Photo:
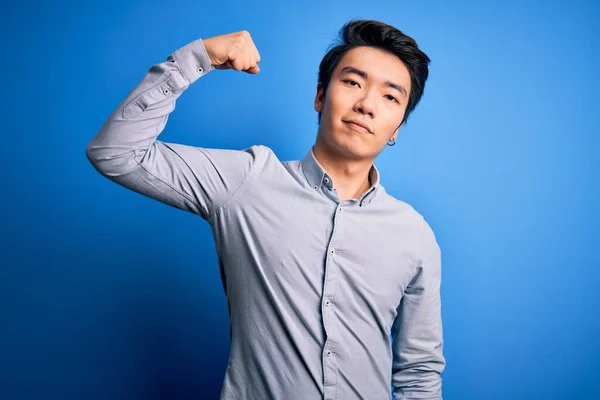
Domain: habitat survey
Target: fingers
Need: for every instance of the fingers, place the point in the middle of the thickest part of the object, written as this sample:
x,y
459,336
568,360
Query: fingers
x,y
246,62
254,51
251,56
244,65
235,51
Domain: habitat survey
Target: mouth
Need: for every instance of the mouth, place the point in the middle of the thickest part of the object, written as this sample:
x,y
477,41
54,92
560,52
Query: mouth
x,y
357,126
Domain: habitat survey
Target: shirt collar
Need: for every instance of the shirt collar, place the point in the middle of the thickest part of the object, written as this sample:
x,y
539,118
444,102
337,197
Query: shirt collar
x,y
316,176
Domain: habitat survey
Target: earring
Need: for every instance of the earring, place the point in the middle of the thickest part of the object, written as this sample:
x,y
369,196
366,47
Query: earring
x,y
393,143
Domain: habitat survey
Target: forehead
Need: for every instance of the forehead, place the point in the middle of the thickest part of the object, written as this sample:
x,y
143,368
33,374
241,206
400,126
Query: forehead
x,y
378,64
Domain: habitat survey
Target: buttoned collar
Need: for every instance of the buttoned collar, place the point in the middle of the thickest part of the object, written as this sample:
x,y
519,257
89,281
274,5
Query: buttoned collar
x,y
317,177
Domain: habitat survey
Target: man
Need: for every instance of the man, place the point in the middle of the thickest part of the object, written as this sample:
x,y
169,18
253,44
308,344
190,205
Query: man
x,y
320,265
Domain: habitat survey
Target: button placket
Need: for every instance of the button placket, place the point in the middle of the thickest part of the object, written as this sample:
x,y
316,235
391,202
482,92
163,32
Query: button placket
x,y
330,321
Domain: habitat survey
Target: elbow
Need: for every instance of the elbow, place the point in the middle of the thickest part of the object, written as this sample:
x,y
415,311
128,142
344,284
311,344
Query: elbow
x,y
110,162
91,154
95,156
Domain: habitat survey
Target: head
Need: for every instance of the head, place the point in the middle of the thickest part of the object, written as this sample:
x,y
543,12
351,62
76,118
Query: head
x,y
368,85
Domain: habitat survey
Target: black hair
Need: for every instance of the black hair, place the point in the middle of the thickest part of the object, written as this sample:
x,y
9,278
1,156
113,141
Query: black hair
x,y
384,37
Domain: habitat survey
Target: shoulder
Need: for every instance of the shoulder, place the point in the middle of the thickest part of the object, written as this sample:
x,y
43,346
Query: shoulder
x,y
407,215
401,209
248,157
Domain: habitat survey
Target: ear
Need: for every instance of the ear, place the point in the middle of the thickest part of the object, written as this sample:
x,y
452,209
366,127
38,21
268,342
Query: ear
x,y
319,98
395,135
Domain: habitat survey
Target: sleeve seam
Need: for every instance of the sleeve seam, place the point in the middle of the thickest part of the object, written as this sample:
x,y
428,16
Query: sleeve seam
x,y
233,195
180,70
418,245
166,182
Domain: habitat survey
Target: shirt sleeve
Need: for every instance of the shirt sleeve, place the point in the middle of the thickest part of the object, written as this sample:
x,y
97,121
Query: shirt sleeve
x,y
126,149
417,339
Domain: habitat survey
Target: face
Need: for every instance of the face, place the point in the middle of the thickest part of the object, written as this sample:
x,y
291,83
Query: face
x,y
365,103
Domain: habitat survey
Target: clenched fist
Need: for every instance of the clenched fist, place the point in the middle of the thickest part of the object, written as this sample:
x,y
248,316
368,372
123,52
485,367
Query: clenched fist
x,y
233,51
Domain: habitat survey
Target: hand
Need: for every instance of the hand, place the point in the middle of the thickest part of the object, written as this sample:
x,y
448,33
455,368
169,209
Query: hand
x,y
233,51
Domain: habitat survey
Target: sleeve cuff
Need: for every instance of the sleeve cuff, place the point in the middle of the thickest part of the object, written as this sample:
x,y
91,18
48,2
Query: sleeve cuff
x,y
193,60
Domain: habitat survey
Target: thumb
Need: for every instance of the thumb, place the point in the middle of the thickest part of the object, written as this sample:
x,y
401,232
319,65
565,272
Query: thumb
x,y
253,70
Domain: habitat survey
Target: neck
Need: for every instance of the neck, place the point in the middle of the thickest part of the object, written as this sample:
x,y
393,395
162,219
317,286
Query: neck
x,y
350,176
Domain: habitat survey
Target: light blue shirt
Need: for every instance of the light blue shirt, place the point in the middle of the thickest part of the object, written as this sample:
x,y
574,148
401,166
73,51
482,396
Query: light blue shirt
x,y
327,299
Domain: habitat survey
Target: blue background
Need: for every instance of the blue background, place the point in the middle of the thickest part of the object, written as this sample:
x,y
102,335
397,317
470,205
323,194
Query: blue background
x,y
105,294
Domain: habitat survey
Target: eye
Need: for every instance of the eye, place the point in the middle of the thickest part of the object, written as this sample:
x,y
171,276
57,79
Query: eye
x,y
351,82
390,97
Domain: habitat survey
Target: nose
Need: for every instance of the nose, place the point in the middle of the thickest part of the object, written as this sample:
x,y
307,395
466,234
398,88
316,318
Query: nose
x,y
365,105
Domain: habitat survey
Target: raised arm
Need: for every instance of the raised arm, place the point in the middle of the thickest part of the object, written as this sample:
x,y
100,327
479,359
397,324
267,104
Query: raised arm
x,y
417,345
194,179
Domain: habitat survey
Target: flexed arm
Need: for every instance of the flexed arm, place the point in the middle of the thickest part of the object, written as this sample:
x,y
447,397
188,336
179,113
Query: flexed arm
x,y
126,149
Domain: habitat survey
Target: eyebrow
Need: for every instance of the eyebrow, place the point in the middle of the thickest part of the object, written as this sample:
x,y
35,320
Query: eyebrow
x,y
352,70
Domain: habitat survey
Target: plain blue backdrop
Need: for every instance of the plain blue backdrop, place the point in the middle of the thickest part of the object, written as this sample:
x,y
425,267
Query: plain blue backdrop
x,y
105,294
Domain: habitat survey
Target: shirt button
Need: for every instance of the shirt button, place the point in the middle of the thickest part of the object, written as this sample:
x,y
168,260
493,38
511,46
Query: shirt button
x,y
340,209
332,251
326,180
329,353
327,302
199,69
315,187
166,91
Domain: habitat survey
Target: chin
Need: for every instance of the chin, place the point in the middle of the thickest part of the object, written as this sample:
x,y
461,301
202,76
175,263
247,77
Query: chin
x,y
348,143
353,148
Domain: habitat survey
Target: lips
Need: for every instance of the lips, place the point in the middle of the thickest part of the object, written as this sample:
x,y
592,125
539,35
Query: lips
x,y
357,126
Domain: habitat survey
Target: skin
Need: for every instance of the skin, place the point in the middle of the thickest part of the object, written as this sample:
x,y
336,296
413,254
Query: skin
x,y
368,85
359,90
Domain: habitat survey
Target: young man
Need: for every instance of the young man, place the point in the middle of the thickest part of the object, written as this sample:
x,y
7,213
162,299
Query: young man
x,y
320,265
